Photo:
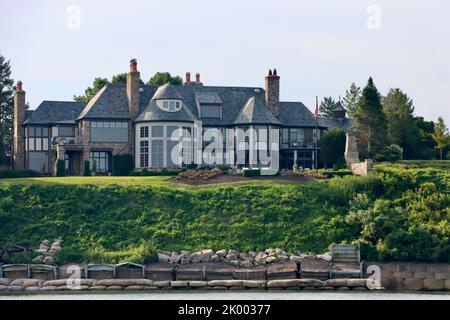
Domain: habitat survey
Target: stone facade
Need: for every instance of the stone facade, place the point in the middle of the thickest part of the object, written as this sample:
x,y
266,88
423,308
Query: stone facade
x,y
273,92
19,130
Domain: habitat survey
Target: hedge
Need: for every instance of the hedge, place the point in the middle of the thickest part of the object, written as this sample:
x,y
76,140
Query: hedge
x,y
251,172
12,174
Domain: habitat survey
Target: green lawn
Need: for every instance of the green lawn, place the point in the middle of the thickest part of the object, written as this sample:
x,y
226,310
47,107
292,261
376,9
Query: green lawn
x,y
154,181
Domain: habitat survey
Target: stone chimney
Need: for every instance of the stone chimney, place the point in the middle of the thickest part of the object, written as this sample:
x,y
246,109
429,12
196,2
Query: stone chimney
x,y
133,86
188,78
273,92
19,130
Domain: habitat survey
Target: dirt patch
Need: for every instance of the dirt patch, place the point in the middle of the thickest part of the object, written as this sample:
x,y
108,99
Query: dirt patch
x,y
237,178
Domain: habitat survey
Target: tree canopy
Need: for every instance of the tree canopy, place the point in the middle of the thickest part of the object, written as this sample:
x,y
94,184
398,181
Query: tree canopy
x,y
332,147
441,136
351,99
327,107
6,109
161,78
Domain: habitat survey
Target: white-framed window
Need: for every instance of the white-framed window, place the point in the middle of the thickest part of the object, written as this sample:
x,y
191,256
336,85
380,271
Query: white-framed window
x,y
169,105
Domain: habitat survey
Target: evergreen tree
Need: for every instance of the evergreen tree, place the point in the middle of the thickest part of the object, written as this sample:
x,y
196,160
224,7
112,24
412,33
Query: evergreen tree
x,y
90,92
441,136
351,99
332,147
6,109
327,107
402,129
427,146
370,124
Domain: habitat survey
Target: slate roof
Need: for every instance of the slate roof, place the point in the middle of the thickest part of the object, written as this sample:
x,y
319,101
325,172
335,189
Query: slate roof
x,y
110,102
295,114
240,105
339,107
53,112
256,112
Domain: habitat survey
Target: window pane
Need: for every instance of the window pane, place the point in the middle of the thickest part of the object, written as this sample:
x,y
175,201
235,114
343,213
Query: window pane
x,y
157,154
66,131
171,130
157,131
211,111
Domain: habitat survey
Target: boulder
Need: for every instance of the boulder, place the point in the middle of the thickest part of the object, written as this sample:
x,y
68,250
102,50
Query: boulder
x,y
38,259
206,255
16,288
283,258
48,288
282,283
162,284
45,243
185,260
225,283
124,282
162,257
260,259
271,259
252,254
215,258
326,256
114,288
175,258
254,283
42,250
234,263
246,257
5,281
232,255
3,287
69,282
27,283
48,260
222,253
268,251
196,257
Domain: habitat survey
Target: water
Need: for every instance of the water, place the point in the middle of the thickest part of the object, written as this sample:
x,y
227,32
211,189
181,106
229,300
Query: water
x,y
189,295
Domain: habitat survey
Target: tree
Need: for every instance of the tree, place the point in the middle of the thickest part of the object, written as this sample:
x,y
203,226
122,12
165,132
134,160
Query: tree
x,y
441,136
332,147
6,109
161,78
119,78
327,107
427,146
393,153
351,99
402,130
370,124
89,93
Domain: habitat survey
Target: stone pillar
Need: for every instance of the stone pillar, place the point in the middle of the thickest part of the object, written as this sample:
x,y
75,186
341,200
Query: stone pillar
x,y
351,149
19,130
273,92
133,95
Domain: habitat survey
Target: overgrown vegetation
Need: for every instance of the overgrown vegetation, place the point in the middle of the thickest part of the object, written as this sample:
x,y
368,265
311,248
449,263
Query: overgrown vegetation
x,y
396,214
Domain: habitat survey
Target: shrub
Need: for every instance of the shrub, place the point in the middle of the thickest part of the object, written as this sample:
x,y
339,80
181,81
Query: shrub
x,y
332,148
251,172
393,153
60,168
337,173
87,168
123,165
13,174
70,254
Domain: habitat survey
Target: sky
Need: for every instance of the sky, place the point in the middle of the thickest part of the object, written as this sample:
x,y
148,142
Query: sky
x,y
318,47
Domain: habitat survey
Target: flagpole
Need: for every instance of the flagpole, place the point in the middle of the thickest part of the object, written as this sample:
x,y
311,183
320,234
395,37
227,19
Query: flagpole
x,y
315,136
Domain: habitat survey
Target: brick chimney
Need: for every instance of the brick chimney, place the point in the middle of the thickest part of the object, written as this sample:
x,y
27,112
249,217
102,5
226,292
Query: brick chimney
x,y
19,130
133,86
189,82
273,92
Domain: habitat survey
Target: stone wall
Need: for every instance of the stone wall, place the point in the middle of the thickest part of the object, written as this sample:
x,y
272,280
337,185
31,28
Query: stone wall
x,y
406,276
361,168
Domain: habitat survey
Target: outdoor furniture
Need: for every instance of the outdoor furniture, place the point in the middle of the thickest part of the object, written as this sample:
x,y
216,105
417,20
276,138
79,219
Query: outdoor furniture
x,y
346,261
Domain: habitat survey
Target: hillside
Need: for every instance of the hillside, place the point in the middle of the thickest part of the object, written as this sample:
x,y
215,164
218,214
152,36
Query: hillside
x,y
396,214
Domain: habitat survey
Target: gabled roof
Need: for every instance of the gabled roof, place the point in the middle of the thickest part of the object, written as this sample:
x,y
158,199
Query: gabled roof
x,y
110,102
256,112
54,112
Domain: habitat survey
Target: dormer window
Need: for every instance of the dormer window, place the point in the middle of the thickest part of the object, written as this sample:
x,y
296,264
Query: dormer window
x,y
169,105
211,111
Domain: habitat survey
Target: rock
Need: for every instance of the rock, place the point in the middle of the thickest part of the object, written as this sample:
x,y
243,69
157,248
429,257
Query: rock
x,y
246,264
124,282
282,283
254,283
336,283
260,259
271,259
5,281
305,283
222,253
48,288
134,288
48,260
42,250
268,251
179,284
16,288
225,283
162,257
62,288
27,283
433,284
295,258
198,284
185,261
216,258
185,253
69,282
232,255
162,284
326,256
234,263
206,255
353,283
175,258
252,254
196,257
45,243
38,259
3,287
283,258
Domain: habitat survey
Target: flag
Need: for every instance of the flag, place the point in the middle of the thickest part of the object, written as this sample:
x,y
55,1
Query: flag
x,y
316,113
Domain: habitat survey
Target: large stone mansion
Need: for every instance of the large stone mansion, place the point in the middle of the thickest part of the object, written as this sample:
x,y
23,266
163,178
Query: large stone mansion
x,y
139,119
